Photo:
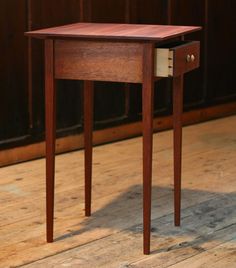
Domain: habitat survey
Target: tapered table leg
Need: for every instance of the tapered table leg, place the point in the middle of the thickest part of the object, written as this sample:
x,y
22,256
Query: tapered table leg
x,y
50,118
177,125
88,143
147,98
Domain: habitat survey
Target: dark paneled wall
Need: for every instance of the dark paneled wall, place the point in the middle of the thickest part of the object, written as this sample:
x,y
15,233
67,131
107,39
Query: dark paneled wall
x,y
21,67
13,71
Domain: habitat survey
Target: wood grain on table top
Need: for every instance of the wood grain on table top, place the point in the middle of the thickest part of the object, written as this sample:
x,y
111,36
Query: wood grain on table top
x,y
114,31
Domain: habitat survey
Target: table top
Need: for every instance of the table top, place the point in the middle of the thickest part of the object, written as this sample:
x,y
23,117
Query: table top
x,y
114,31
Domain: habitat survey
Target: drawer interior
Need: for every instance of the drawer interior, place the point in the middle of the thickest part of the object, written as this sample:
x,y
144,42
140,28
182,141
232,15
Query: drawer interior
x,y
173,44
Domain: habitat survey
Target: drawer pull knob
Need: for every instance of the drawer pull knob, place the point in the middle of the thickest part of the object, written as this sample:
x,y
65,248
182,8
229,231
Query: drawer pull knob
x,y
190,58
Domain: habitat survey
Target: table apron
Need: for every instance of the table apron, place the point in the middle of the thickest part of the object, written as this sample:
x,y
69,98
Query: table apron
x,y
98,60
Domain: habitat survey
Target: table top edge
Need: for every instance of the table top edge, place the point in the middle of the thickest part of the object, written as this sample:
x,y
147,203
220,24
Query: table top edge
x,y
49,33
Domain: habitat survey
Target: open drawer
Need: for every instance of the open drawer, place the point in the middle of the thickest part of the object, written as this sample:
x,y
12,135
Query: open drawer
x,y
177,58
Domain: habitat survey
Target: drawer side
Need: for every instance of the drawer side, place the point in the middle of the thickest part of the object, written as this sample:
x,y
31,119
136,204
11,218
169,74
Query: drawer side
x,y
163,62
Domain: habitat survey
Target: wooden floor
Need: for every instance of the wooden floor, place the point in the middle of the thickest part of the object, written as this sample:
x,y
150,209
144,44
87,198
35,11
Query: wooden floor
x,y
112,236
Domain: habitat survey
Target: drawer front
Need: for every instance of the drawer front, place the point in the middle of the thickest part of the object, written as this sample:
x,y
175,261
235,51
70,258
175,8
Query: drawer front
x,y
177,60
186,58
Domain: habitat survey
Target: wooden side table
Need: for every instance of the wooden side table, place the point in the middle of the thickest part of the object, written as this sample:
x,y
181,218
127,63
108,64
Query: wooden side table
x,y
119,53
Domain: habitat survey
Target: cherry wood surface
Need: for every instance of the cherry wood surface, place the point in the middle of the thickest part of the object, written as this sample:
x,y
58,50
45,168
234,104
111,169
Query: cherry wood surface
x,y
147,109
98,60
50,125
177,125
94,59
88,143
115,31
180,64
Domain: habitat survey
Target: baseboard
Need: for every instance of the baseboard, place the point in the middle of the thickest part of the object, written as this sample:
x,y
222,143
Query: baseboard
x,y
70,143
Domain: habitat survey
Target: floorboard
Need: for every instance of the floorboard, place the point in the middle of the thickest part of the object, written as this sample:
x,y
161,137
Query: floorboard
x,y
112,236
